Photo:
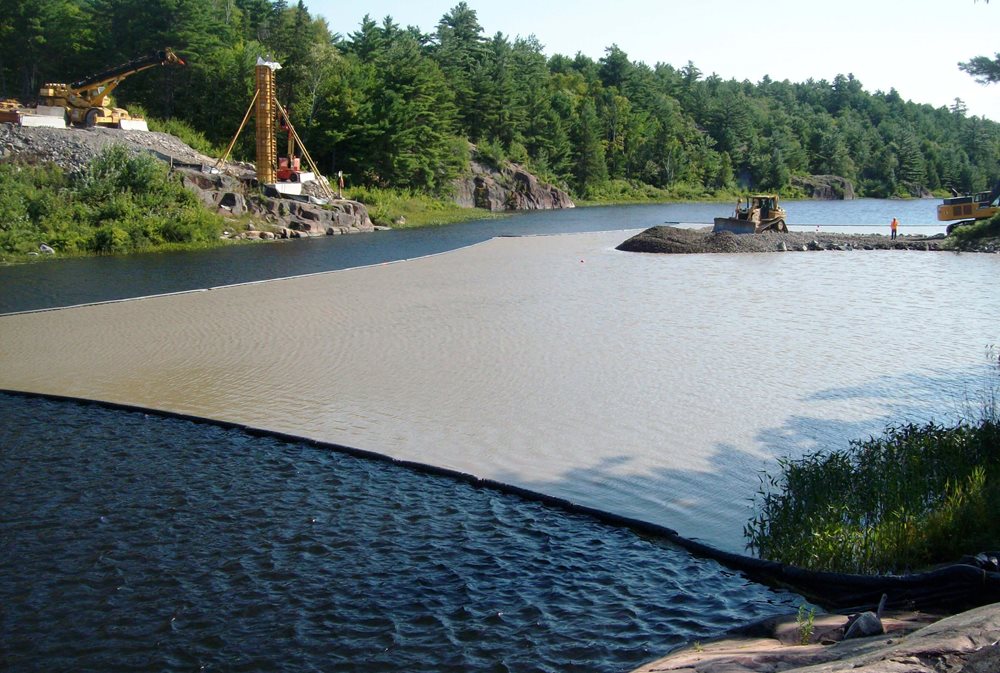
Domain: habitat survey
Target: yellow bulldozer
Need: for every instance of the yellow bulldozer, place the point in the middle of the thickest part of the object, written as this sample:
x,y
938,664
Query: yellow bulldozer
x,y
84,100
757,213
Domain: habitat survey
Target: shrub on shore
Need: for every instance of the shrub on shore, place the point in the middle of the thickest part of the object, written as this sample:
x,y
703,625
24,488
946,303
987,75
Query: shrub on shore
x,y
121,203
971,233
916,496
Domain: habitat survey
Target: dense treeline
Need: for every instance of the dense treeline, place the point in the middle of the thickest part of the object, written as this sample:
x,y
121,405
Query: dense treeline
x,y
393,106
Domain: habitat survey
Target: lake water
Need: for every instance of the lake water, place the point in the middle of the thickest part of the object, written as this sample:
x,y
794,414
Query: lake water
x,y
77,281
651,386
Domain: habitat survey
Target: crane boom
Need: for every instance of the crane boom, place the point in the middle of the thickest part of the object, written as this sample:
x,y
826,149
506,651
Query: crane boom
x,y
96,87
84,99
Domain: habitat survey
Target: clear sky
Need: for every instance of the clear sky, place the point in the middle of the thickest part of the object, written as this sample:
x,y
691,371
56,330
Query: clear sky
x,y
913,46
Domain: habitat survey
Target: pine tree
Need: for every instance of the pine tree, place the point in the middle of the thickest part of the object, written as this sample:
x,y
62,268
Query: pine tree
x,y
408,126
590,170
912,171
461,53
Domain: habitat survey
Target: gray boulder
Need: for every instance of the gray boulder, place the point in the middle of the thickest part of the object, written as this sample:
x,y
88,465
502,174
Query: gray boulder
x,y
826,187
866,624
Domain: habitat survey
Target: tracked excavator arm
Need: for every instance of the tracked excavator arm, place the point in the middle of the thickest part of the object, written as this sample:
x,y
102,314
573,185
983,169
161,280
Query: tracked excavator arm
x,y
969,208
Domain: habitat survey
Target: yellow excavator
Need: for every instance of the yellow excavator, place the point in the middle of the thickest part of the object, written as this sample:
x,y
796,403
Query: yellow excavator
x,y
969,208
84,100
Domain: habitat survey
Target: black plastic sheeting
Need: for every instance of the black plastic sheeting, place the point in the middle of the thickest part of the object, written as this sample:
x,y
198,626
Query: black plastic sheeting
x,y
955,587
961,586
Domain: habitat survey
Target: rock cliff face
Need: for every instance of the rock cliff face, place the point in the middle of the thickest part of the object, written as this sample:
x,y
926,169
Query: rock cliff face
x,y
507,188
829,187
287,217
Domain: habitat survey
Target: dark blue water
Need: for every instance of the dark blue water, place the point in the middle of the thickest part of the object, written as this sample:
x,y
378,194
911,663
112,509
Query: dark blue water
x,y
131,542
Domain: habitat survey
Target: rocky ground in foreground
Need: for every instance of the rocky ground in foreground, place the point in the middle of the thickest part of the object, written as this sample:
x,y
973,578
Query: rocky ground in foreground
x,y
912,643
676,240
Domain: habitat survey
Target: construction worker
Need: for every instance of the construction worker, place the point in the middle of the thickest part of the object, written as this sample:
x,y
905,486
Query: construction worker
x,y
894,225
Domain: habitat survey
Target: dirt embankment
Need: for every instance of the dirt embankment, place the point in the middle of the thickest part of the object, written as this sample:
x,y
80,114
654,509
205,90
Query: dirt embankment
x,y
73,148
667,239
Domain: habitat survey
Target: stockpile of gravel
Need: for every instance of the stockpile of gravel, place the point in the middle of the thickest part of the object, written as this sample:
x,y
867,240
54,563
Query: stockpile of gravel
x,y
666,239
73,148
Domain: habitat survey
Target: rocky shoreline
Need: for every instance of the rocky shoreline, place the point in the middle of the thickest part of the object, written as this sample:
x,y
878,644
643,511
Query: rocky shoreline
x,y
912,642
228,189
505,188
677,240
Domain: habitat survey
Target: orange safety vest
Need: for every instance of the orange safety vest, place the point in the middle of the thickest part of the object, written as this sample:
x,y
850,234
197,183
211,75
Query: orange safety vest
x,y
895,224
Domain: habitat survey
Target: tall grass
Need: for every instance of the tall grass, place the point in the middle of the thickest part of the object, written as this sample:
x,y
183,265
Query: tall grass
x,y
915,496
404,208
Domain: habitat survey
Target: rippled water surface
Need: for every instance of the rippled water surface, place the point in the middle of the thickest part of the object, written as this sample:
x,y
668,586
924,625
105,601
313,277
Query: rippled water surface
x,y
137,543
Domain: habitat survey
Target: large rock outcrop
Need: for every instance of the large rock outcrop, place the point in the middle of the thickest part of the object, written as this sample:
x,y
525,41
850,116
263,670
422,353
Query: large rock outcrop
x,y
828,187
509,187
286,218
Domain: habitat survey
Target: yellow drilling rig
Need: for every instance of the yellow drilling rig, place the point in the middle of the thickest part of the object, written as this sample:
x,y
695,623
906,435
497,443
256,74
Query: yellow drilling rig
x,y
283,174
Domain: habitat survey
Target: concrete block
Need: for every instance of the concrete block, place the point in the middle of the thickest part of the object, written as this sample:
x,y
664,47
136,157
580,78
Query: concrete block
x,y
50,110
133,125
293,188
42,120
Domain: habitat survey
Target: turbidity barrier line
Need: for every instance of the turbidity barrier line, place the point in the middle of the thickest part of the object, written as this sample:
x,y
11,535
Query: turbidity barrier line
x,y
195,290
426,468
955,586
373,265
298,276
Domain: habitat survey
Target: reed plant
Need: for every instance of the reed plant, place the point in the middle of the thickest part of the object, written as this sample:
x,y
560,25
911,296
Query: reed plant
x,y
915,496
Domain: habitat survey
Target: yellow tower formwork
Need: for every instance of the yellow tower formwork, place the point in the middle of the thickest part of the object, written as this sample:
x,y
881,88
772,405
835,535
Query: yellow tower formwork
x,y
267,147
